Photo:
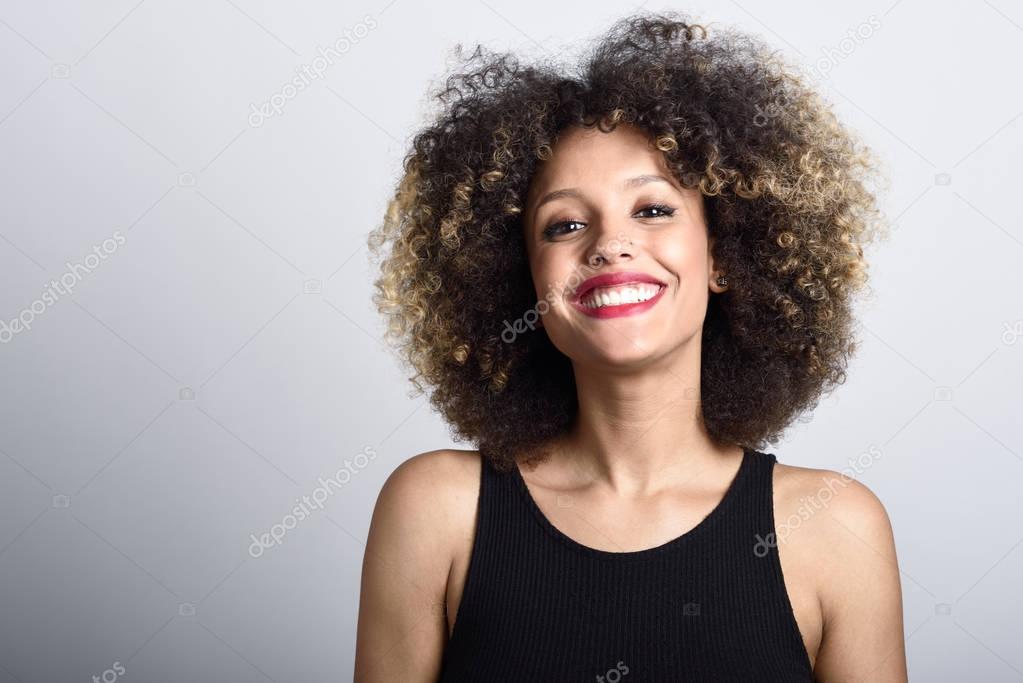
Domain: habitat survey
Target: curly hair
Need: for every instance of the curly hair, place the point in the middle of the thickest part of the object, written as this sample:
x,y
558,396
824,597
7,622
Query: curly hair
x,y
788,204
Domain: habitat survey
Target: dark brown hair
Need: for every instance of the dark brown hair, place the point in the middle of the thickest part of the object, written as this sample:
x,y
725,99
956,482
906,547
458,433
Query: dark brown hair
x,y
785,187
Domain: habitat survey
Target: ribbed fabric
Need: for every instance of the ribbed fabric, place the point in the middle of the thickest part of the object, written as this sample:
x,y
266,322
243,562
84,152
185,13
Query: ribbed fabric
x,y
710,605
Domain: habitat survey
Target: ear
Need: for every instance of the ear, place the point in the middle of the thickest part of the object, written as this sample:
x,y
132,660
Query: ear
x,y
713,271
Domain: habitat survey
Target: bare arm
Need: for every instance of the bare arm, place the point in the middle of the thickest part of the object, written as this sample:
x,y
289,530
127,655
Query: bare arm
x,y
402,627
862,595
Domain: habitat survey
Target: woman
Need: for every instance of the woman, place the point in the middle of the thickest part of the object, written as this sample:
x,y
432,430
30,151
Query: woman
x,y
619,285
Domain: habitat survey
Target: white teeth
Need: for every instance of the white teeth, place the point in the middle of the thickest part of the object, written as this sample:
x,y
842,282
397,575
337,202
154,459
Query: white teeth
x,y
616,296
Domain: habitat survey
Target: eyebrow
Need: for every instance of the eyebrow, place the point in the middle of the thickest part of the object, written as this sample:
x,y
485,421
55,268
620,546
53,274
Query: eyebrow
x,y
574,191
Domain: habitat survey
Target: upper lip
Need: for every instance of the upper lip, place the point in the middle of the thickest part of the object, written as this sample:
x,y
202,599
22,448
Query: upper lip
x,y
611,279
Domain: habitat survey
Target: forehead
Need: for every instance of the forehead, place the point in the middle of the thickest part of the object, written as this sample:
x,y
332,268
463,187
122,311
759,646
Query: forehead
x,y
591,157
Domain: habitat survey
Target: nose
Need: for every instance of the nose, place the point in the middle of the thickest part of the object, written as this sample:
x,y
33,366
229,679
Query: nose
x,y
611,249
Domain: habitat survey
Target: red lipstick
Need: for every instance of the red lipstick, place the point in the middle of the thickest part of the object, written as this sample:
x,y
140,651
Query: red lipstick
x,y
617,279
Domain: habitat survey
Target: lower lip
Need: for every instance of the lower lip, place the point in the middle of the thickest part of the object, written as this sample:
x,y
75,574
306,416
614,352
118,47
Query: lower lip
x,y
621,309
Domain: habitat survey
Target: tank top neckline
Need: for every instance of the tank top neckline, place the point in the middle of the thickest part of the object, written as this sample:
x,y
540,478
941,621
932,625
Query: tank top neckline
x,y
722,507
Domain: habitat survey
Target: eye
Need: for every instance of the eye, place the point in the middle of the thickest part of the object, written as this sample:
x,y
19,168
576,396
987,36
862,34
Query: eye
x,y
665,210
557,229
562,227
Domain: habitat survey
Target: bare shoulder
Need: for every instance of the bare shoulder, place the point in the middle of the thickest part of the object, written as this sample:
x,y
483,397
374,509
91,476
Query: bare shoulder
x,y
837,525
833,505
434,494
437,468
413,540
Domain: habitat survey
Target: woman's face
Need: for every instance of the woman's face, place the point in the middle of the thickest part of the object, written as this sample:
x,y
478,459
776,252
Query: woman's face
x,y
605,204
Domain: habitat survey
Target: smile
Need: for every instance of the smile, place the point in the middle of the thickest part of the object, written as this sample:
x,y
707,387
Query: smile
x,y
612,295
599,297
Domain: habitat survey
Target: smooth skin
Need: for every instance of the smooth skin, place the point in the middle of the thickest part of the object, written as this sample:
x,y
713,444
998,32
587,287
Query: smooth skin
x,y
638,466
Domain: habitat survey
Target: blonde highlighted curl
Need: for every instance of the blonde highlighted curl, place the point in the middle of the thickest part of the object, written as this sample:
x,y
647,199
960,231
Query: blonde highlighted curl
x,y
788,203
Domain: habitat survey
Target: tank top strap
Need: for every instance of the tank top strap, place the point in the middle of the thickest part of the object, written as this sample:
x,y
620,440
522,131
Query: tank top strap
x,y
763,560
499,502
505,521
758,502
501,536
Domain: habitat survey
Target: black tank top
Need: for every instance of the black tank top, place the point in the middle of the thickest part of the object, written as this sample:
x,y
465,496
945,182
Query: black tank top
x,y
710,605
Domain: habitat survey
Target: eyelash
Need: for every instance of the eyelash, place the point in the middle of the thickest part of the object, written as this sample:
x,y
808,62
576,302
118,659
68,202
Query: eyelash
x,y
667,212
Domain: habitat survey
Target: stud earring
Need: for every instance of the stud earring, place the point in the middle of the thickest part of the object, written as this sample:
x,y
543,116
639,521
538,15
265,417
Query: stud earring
x,y
722,281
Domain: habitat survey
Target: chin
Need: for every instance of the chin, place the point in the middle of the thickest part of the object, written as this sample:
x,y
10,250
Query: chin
x,y
623,354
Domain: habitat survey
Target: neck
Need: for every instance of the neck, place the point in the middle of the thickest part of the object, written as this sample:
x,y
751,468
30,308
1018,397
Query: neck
x,y
642,430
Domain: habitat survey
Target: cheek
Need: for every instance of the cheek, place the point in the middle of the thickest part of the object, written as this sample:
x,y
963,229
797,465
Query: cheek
x,y
551,279
550,276
684,254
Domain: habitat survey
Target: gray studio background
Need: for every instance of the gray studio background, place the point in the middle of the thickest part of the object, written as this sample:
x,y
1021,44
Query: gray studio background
x,y
219,352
